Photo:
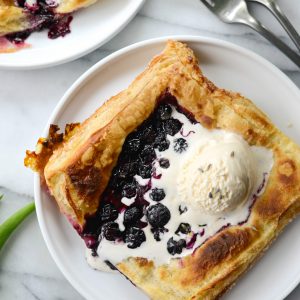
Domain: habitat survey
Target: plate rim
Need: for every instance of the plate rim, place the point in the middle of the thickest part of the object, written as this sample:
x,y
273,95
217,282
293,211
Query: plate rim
x,y
35,66
67,98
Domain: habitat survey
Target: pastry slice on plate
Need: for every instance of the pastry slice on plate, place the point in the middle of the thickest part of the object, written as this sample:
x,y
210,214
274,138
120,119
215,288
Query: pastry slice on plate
x,y
19,18
174,182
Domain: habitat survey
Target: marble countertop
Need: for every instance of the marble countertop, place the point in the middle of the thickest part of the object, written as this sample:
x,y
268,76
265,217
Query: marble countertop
x,y
28,97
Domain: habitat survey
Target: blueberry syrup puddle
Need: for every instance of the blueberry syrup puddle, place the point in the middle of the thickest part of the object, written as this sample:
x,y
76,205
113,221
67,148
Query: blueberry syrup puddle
x,y
42,17
138,209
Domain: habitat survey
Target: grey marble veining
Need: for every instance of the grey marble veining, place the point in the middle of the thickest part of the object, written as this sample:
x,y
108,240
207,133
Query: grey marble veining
x,y
28,97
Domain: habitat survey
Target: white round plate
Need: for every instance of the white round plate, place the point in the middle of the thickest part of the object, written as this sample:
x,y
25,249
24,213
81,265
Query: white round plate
x,y
229,66
91,27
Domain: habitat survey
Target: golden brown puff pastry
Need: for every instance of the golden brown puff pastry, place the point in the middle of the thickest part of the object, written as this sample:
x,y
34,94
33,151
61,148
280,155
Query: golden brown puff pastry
x,y
15,18
77,166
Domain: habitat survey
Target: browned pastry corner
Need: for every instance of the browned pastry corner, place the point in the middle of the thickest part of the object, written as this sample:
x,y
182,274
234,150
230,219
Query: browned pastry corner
x,y
80,166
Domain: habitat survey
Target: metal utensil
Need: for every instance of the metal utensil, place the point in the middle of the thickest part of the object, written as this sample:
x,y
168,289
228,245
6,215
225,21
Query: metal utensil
x,y
236,11
286,24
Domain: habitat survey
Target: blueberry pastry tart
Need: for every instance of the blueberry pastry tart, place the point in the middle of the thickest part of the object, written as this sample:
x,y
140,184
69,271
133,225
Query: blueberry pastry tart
x,y
176,183
19,18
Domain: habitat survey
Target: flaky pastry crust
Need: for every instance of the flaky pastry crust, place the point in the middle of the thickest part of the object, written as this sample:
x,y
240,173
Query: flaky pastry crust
x,y
77,171
12,19
68,6
15,19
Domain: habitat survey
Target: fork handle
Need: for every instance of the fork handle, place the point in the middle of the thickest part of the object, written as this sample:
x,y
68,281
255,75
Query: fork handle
x,y
256,25
284,21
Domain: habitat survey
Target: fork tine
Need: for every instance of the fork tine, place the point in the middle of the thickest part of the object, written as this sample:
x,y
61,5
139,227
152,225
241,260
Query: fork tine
x,y
207,3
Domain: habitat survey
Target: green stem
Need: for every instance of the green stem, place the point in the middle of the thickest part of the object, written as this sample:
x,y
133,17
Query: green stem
x,y
8,226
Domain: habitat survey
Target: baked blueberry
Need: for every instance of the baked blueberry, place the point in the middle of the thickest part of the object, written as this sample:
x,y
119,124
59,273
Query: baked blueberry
x,y
129,190
108,213
147,135
184,228
111,231
133,145
164,111
132,215
164,163
180,145
134,237
172,126
126,170
60,28
145,171
161,142
157,194
148,154
175,247
158,215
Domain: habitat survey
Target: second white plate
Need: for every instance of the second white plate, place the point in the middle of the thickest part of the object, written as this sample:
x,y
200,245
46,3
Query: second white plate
x,y
229,66
90,28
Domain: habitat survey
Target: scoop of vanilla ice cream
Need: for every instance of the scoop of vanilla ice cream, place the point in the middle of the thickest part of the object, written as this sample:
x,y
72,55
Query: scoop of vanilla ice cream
x,y
217,176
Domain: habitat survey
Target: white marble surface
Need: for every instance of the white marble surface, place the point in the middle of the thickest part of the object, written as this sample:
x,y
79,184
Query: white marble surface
x,y
28,97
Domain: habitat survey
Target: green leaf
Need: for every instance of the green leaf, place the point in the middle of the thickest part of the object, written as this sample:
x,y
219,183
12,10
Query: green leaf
x,y
1,196
8,226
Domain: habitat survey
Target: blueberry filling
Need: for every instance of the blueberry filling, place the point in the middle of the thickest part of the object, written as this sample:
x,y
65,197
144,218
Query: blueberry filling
x,y
145,171
137,158
132,215
164,111
126,170
175,247
129,190
148,154
133,145
184,228
157,194
111,231
192,241
164,163
43,16
60,27
108,213
161,143
158,215
172,126
147,134
134,237
18,38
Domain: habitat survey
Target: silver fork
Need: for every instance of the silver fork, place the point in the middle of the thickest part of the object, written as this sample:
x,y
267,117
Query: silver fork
x,y
284,21
236,11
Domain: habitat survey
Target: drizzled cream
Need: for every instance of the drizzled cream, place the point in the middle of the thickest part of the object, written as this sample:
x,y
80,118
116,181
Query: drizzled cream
x,y
207,204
